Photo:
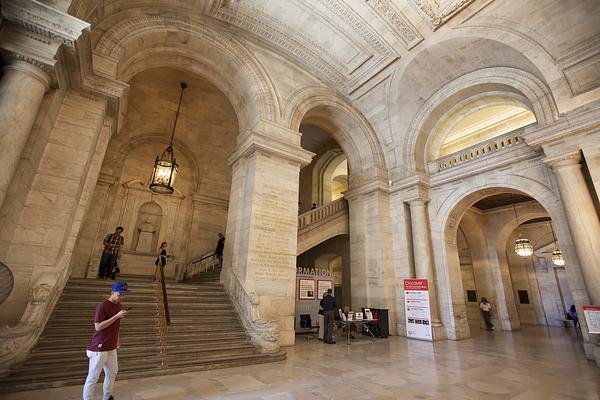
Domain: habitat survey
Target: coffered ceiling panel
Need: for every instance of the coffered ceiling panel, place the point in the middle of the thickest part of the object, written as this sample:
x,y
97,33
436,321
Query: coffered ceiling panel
x,y
329,37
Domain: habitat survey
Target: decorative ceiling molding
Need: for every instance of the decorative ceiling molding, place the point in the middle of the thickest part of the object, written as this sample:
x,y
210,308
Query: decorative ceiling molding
x,y
43,20
438,14
360,52
408,34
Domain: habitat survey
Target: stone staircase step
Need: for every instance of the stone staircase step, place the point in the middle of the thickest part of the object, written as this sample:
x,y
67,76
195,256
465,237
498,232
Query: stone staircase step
x,y
67,379
205,333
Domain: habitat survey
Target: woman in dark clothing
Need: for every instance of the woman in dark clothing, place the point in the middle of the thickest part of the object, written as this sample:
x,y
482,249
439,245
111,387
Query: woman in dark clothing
x,y
219,249
161,259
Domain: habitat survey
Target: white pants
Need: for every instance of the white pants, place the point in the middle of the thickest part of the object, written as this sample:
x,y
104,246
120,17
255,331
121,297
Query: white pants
x,y
100,360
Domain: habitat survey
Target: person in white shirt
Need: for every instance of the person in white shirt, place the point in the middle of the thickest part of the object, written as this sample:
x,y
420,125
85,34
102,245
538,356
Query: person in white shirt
x,y
486,309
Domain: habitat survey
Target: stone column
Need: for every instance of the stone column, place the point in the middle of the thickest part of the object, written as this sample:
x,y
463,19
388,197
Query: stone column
x,y
423,253
22,88
259,265
581,216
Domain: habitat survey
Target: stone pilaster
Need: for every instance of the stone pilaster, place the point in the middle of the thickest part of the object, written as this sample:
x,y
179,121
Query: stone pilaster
x,y
373,278
581,216
260,250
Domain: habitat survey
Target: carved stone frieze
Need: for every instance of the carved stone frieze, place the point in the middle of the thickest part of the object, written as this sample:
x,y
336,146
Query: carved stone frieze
x,y
407,33
436,13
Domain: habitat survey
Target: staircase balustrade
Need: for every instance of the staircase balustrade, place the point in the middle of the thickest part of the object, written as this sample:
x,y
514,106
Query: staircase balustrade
x,y
322,213
477,151
263,333
196,266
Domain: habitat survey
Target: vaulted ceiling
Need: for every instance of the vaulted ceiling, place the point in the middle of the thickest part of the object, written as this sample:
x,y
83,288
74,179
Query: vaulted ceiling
x,y
343,42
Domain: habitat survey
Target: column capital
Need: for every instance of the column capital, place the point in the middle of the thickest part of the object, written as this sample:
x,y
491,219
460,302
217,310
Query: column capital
x,y
271,139
572,158
30,69
33,32
417,201
43,20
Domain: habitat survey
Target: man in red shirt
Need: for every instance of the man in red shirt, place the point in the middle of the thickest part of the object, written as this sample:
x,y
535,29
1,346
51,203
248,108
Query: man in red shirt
x,y
102,350
113,244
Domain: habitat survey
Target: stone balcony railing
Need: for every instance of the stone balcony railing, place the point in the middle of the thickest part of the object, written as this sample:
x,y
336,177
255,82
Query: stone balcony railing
x,y
322,213
478,151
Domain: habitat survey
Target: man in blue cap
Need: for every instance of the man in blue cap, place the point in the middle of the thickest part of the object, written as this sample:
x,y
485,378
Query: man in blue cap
x,y
102,350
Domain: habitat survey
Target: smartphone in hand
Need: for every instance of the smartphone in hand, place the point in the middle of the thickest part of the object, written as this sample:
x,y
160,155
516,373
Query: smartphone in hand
x,y
128,308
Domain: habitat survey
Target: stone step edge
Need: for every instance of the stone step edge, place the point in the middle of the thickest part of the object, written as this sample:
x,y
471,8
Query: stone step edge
x,y
257,359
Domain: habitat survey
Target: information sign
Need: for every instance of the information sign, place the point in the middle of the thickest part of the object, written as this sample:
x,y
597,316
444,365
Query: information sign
x,y
592,318
416,305
322,287
306,289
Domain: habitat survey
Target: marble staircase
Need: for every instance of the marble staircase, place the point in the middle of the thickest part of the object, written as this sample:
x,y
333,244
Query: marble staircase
x,y
205,333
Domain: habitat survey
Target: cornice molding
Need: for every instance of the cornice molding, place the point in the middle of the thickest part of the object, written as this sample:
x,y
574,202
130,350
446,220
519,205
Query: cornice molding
x,y
43,20
572,158
34,32
264,139
567,126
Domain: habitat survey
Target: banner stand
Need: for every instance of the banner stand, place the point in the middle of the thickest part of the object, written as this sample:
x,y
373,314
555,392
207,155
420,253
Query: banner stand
x,y
417,310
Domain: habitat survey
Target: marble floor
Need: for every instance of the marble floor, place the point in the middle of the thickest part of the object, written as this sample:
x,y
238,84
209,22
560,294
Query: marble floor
x,y
534,363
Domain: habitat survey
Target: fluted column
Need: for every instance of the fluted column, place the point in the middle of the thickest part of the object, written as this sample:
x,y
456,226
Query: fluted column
x,y
423,252
22,88
581,216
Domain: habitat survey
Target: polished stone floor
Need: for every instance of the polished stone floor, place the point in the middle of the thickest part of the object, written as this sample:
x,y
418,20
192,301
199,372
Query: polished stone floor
x,y
534,363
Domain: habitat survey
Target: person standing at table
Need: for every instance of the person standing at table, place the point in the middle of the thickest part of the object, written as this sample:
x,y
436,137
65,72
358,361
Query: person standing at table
x,y
329,307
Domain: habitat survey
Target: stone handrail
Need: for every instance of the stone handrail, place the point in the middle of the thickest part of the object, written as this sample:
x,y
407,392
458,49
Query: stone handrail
x,y
321,213
477,151
263,333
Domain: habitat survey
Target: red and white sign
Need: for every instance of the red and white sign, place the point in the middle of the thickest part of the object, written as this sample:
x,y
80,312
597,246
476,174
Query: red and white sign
x,y
418,313
592,318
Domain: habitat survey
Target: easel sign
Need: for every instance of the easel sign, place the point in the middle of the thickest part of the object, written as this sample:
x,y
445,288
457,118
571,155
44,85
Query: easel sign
x,y
306,289
592,318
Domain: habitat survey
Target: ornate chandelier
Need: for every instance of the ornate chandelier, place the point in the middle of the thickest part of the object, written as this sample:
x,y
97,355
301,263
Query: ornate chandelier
x,y
522,246
557,258
165,166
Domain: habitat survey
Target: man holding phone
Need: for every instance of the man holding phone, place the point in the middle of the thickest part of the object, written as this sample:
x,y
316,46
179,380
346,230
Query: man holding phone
x,y
102,350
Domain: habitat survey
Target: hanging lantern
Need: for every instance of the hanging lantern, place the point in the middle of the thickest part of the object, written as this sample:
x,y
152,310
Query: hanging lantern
x,y
523,247
165,171
165,166
557,258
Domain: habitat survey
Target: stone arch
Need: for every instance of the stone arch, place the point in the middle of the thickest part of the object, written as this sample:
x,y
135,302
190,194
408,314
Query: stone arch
x,y
510,81
322,174
321,107
442,126
132,43
446,217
